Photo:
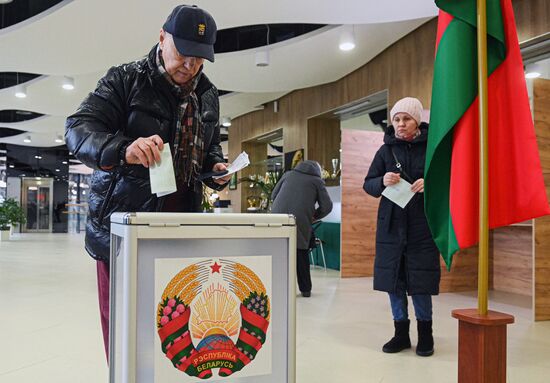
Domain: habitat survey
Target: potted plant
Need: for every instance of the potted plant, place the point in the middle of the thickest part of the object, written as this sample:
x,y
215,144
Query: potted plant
x,y
11,214
4,223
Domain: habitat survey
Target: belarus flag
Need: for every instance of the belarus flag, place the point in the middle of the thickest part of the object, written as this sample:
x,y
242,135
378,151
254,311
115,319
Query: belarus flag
x,y
516,184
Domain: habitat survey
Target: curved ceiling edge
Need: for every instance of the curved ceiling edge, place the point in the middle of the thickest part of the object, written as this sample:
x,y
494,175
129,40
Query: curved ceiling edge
x,y
283,43
34,18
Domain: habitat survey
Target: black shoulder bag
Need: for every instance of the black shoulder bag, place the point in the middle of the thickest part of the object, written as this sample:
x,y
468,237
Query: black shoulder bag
x,y
400,167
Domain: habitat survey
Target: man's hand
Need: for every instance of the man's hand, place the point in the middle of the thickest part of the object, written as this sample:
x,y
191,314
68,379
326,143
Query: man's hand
x,y
391,178
418,186
144,151
219,167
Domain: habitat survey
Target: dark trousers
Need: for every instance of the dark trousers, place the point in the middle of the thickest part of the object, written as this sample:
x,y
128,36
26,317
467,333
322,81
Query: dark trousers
x,y
103,295
302,269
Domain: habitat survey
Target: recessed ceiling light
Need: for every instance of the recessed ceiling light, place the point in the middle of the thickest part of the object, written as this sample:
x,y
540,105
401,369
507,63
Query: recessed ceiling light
x,y
533,70
68,83
12,166
64,162
532,74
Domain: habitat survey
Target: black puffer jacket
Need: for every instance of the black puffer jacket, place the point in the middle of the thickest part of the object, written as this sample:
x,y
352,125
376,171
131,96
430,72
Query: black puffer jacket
x,y
406,256
131,101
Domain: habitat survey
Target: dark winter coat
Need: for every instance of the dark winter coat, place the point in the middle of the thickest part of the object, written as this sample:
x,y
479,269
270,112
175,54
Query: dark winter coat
x,y
407,258
131,101
296,193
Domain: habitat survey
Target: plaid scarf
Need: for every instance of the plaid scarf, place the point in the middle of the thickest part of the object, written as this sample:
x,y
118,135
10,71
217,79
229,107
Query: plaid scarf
x,y
188,148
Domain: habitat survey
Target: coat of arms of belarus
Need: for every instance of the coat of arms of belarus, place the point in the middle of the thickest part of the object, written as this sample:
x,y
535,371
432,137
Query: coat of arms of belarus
x,y
213,315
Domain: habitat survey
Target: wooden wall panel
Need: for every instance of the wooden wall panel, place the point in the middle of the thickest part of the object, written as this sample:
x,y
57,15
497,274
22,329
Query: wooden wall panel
x,y
532,18
541,298
359,210
541,105
463,274
513,259
323,143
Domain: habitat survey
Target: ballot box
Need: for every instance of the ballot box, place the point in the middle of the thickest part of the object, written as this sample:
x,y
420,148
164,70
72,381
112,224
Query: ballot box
x,y
202,298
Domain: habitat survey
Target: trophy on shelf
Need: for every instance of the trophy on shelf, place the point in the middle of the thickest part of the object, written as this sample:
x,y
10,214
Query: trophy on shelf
x,y
252,203
335,168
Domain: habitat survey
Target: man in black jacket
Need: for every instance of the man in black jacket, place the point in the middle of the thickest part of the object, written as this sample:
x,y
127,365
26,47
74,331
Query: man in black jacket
x,y
136,109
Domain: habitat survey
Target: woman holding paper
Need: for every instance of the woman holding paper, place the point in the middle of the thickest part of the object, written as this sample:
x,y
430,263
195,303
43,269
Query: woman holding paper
x,y
407,260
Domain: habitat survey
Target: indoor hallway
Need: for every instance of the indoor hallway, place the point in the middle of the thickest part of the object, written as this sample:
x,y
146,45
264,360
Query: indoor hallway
x,y
50,332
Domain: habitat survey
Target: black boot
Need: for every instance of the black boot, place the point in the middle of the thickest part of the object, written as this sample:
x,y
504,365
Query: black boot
x,y
401,339
425,345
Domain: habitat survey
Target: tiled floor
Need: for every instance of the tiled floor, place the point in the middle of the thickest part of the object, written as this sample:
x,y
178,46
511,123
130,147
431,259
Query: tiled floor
x,y
49,325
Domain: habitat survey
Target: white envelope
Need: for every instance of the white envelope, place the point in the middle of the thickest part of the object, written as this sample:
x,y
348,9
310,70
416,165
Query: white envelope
x,y
161,175
240,163
399,193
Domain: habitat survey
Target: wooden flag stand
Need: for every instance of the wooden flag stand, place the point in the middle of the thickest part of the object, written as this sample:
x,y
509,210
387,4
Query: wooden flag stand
x,y
482,333
481,346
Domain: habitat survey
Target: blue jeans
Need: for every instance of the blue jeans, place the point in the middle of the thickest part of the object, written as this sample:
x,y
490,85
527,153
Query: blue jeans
x,y
422,306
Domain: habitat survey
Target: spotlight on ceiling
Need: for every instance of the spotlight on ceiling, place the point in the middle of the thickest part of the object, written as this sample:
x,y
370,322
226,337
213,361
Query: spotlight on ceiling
x,y
59,139
68,83
20,91
27,139
12,166
347,38
226,121
262,58
533,70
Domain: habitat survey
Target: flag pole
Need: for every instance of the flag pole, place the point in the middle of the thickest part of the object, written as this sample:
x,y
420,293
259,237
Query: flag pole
x,y
483,262
482,334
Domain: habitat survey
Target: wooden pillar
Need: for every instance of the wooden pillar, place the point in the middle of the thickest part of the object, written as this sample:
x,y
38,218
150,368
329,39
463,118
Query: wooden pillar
x,y
481,346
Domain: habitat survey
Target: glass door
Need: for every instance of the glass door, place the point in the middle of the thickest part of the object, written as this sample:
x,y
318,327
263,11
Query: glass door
x,y
37,200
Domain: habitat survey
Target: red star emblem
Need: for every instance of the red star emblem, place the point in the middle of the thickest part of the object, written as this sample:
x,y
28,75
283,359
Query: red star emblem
x,y
215,267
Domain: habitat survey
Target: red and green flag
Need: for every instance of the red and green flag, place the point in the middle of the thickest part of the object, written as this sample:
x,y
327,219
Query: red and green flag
x,y
516,184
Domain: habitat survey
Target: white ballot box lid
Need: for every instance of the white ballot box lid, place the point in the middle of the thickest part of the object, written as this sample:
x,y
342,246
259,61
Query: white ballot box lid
x,y
207,219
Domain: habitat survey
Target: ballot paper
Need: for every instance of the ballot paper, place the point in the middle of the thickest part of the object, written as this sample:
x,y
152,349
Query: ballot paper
x,y
399,193
240,162
162,176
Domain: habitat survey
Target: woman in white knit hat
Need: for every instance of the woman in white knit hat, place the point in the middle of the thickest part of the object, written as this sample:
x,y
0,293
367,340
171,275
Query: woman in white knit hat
x,y
407,259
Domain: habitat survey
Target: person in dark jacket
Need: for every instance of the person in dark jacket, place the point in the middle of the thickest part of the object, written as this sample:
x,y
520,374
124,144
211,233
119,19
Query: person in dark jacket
x,y
297,192
407,259
136,109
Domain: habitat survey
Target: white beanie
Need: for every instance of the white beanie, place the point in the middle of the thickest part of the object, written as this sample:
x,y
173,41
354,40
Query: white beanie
x,y
410,105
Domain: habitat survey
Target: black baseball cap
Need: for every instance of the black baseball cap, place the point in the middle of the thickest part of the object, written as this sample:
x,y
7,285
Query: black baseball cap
x,y
193,30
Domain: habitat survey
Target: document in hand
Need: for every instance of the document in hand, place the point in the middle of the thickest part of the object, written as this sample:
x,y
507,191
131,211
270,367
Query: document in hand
x,y
161,175
240,163
400,193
